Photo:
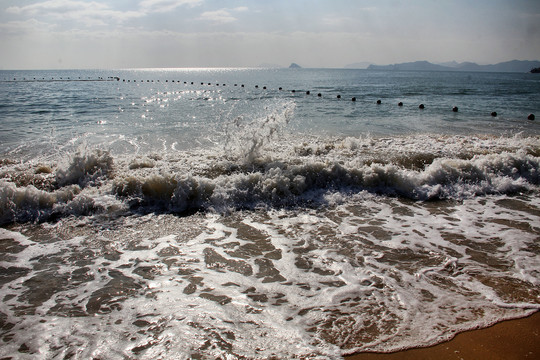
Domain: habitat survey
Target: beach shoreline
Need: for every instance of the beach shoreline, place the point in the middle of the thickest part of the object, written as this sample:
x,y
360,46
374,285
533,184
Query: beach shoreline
x,y
510,339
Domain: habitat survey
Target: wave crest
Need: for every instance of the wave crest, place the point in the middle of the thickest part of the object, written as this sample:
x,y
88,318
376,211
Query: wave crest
x,y
187,182
85,168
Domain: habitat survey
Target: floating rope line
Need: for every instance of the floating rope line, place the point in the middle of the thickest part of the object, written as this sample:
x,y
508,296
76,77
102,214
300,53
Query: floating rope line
x,y
123,80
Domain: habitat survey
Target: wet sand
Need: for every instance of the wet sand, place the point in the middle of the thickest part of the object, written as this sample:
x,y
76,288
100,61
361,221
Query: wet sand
x,y
513,339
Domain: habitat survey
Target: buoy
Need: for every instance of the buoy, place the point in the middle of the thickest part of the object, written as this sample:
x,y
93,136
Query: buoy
x,y
400,104
339,96
307,92
493,114
293,91
421,106
455,109
353,99
280,88
264,87
379,102
256,86
242,85
530,117
319,94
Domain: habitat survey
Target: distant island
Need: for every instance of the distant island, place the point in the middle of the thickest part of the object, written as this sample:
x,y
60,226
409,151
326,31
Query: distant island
x,y
536,70
508,66
294,66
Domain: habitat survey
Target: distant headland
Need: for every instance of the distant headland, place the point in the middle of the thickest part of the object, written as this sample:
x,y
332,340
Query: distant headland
x,y
520,66
508,66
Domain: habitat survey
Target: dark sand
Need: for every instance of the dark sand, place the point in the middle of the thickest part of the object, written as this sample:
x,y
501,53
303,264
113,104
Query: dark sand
x,y
513,339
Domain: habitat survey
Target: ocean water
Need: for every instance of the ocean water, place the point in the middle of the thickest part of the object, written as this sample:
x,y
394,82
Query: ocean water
x,y
205,213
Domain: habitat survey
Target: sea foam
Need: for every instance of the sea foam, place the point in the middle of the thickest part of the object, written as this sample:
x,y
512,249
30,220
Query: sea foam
x,y
276,175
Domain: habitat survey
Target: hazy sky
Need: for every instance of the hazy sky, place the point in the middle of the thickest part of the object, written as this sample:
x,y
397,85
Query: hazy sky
x,y
47,34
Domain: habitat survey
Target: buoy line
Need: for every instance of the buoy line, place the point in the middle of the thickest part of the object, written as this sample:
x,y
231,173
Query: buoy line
x,y
147,81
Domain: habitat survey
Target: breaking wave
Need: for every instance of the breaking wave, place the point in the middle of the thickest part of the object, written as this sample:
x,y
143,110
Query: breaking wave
x,y
301,174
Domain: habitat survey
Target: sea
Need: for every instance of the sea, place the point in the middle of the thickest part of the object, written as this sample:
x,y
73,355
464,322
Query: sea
x,y
263,213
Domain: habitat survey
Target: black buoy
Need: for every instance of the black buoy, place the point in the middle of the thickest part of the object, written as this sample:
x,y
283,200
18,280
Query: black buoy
x,y
307,92
400,104
379,102
264,87
455,109
421,106
319,94
242,85
353,99
256,86
530,117
493,113
280,88
339,96
293,91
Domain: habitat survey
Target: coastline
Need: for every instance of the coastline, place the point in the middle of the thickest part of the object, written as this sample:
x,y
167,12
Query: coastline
x,y
510,339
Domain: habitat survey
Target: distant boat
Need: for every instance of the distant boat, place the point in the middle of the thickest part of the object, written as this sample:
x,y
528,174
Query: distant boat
x,y
535,71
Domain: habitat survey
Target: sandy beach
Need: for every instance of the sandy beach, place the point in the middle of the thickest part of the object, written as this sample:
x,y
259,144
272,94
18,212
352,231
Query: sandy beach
x,y
513,339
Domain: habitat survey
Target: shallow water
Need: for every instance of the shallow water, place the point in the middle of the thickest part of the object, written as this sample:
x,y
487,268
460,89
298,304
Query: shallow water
x,y
230,223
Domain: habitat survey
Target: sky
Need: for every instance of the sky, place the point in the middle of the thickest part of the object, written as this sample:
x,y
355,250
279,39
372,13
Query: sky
x,y
98,34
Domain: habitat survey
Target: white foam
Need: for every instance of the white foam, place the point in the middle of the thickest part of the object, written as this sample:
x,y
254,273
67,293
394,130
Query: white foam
x,y
297,252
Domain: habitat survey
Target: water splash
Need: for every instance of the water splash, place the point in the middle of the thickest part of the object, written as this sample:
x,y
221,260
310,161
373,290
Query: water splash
x,y
246,136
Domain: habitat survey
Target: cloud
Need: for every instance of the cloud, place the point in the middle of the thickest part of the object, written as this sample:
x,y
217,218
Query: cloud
x,y
25,27
56,7
89,13
95,13
222,16
166,5
218,17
